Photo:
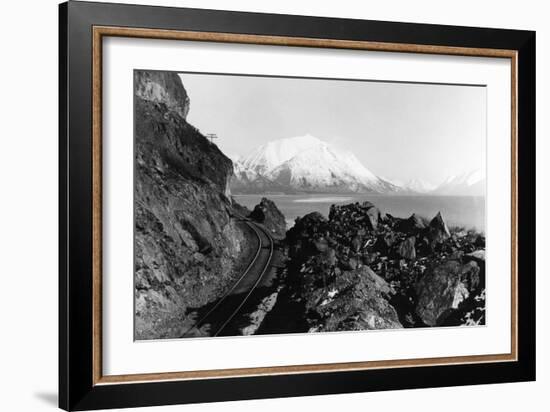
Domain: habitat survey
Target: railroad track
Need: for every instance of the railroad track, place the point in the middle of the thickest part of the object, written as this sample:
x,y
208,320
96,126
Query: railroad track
x,y
229,305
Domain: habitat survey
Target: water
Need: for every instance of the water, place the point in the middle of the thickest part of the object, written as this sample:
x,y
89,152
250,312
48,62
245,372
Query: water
x,y
464,211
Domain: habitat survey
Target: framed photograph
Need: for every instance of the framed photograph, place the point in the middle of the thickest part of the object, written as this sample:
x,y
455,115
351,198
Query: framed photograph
x,y
257,205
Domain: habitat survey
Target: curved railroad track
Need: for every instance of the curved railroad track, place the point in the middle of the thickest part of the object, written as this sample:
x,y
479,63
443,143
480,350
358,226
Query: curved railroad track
x,y
229,305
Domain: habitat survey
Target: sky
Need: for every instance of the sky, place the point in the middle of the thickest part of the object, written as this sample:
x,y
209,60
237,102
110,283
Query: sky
x,y
399,131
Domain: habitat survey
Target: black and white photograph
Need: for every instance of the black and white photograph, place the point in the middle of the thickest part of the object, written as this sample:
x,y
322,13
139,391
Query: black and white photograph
x,y
281,205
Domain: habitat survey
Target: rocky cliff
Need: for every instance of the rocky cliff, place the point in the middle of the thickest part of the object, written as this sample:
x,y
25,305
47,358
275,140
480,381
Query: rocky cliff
x,y
185,239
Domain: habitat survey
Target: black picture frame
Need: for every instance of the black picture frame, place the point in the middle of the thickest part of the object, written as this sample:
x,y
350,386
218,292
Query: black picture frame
x,y
77,390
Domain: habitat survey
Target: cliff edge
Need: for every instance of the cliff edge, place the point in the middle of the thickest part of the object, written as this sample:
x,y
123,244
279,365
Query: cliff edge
x,y
185,239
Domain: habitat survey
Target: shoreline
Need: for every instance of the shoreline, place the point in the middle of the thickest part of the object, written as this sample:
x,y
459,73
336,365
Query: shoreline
x,y
466,212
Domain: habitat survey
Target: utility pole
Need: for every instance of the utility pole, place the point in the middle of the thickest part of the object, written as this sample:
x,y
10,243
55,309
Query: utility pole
x,y
212,136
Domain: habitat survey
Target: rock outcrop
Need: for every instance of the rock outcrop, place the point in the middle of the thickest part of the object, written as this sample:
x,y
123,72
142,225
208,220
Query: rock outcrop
x,y
413,225
365,214
267,213
406,248
443,288
162,88
438,230
355,300
185,239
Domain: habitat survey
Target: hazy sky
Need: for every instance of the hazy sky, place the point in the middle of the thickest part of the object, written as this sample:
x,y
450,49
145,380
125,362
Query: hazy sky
x,y
397,130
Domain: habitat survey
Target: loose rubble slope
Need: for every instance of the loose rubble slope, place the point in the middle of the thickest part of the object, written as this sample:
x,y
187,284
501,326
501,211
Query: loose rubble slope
x,y
362,269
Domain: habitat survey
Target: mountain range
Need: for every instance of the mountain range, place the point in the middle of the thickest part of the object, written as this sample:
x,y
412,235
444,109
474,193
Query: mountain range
x,y
468,184
413,185
308,164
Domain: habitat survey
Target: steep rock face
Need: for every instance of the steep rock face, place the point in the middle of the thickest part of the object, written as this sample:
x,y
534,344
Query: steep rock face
x,y
162,88
267,213
185,240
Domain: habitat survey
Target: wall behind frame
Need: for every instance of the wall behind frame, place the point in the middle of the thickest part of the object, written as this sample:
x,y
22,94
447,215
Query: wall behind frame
x,y
28,170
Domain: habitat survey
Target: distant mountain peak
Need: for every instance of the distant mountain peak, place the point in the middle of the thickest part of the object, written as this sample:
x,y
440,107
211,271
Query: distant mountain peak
x,y
305,163
272,154
303,139
417,185
469,183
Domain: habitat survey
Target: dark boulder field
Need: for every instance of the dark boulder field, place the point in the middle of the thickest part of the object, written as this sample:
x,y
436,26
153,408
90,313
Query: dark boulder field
x,y
361,269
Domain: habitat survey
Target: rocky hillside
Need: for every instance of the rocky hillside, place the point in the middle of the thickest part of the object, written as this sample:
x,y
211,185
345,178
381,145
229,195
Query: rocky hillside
x,y
185,239
360,269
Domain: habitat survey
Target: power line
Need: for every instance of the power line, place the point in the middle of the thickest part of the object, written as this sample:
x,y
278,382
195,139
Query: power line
x,y
212,136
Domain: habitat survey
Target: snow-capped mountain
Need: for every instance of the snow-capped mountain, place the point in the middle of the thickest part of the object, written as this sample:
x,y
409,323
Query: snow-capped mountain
x,y
305,163
467,184
418,186
272,154
413,186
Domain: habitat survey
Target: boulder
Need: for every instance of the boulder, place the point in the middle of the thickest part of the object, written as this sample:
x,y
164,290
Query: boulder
x,y
321,244
384,242
301,237
267,213
442,288
470,276
310,220
413,225
369,258
389,219
406,248
331,257
437,230
373,216
353,263
480,241
477,255
356,243
356,215
361,302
